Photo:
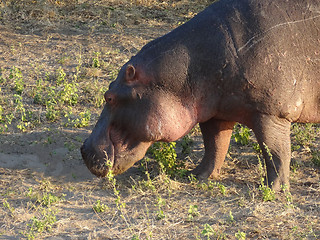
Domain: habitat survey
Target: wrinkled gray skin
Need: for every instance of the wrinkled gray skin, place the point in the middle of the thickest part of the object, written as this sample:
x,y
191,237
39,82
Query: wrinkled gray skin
x,y
247,61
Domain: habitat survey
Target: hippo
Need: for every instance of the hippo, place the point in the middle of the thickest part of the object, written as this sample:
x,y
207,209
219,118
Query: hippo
x,y
239,61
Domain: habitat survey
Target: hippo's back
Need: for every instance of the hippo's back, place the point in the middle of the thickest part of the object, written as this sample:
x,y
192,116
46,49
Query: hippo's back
x,y
266,54
273,48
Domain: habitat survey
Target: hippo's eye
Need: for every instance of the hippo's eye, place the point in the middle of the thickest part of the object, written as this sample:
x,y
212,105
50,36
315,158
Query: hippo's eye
x,y
135,94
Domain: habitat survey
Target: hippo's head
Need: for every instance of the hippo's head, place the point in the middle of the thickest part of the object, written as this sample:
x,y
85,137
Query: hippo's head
x,y
138,112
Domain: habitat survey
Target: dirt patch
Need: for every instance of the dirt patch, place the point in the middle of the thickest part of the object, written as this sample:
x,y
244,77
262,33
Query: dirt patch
x,y
54,154
46,191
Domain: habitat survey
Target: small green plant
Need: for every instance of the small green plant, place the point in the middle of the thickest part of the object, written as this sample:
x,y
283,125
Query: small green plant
x,y
16,76
160,214
113,182
42,223
214,187
98,97
96,93
147,183
135,237
6,120
52,113
52,109
82,121
3,80
43,203
166,156
241,134
230,217
24,115
295,165
240,235
68,95
222,189
304,134
207,231
64,92
51,96
64,59
287,194
256,148
3,124
98,207
96,61
7,205
2,118
186,144
48,199
61,76
45,199
193,179
193,212
267,193
38,92
121,205
316,158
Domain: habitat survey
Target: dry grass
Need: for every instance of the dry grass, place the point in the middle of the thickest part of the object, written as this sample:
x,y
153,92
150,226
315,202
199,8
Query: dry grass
x,y
57,59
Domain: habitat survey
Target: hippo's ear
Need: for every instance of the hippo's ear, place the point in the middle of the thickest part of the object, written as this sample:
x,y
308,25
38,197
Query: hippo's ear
x,y
131,75
135,75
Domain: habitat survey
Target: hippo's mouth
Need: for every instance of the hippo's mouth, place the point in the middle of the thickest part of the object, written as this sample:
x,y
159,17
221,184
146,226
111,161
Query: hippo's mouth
x,y
115,150
99,158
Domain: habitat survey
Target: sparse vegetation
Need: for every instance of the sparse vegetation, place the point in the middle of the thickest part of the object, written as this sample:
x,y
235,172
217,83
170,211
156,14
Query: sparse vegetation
x,y
304,134
316,158
267,193
241,134
57,60
166,156
193,212
98,207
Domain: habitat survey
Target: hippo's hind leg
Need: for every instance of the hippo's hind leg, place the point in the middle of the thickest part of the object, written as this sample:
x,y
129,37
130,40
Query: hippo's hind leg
x,y
273,135
216,137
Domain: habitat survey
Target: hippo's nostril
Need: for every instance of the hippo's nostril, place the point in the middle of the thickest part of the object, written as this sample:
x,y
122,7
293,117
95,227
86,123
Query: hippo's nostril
x,y
109,97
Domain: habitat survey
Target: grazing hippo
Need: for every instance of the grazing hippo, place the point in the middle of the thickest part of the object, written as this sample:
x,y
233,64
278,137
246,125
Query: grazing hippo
x,y
247,61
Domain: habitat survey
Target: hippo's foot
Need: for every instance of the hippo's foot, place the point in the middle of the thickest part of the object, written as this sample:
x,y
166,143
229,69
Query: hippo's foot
x,y
203,173
216,137
273,135
278,183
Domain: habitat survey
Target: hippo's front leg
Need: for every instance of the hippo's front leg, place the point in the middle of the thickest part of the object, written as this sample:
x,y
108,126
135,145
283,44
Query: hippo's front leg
x,y
273,135
216,137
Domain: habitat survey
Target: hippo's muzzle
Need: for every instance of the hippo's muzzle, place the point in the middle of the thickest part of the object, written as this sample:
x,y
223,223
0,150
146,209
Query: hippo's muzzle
x,y
98,159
